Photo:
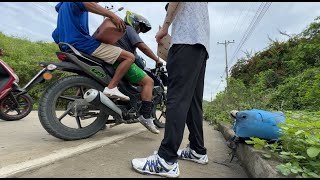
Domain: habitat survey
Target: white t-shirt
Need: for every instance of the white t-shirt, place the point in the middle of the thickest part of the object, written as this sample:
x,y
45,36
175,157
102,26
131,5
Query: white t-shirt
x,y
191,24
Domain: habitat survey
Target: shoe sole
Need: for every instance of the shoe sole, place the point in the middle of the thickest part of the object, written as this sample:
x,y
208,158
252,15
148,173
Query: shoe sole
x,y
116,97
194,160
154,173
149,128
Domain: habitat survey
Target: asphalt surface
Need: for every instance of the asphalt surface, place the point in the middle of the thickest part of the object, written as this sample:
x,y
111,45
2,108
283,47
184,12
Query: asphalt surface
x,y
27,151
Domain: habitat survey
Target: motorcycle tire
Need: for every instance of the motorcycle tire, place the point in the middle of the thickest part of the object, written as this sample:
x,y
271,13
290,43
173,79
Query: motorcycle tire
x,y
27,104
48,116
157,118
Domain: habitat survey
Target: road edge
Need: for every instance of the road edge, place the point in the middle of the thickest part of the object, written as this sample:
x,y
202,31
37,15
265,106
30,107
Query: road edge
x,y
254,165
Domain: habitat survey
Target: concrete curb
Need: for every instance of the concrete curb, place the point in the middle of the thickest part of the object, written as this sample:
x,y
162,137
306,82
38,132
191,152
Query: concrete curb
x,y
254,165
18,169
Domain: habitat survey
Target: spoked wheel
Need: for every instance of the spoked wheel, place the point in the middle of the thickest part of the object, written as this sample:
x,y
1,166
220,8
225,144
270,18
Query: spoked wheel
x,y
65,114
159,114
14,107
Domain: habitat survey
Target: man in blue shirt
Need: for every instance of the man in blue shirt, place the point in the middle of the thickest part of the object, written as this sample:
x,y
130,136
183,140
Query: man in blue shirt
x,y
72,28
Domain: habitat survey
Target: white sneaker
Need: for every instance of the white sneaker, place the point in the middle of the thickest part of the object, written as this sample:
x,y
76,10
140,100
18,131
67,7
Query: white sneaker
x,y
115,93
148,123
156,165
189,154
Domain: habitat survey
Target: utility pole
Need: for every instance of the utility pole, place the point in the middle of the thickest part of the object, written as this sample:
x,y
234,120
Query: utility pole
x,y
225,46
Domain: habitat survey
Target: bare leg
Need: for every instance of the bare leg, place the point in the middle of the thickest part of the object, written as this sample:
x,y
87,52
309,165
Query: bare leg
x,y
146,106
147,88
126,59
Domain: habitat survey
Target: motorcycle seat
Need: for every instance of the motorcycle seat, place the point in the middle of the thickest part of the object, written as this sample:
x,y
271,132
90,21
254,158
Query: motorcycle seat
x,y
109,68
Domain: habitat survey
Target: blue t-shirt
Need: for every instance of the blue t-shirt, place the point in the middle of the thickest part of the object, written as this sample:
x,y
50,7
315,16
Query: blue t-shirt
x,y
72,27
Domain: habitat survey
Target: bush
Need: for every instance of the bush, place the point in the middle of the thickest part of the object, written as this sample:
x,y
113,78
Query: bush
x,y
24,56
300,92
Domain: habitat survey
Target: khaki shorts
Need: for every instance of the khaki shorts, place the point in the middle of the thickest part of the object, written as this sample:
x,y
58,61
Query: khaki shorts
x,y
107,52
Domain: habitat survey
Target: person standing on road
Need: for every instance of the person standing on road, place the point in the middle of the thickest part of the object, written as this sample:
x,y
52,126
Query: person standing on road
x,y
186,70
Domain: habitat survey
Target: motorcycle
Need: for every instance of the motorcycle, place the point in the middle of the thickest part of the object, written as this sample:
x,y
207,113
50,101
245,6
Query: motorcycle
x,y
15,102
74,107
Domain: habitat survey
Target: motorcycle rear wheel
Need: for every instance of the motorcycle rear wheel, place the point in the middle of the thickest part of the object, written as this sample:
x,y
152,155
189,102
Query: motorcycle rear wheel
x,y
8,107
57,113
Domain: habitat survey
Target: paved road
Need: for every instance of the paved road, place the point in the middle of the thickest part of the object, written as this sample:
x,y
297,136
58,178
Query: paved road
x,y
27,150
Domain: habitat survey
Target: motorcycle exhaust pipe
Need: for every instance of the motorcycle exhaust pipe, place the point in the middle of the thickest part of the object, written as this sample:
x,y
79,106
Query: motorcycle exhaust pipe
x,y
100,100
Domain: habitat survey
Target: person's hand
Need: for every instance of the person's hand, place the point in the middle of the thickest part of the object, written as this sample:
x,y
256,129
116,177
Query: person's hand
x,y
159,63
160,34
119,23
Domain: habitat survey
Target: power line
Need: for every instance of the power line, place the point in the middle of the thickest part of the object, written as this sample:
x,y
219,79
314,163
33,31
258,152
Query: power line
x,y
241,25
42,9
252,28
222,75
256,19
220,20
248,29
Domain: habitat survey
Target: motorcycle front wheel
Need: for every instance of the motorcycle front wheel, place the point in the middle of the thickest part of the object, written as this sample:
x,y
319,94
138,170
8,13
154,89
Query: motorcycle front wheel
x,y
159,113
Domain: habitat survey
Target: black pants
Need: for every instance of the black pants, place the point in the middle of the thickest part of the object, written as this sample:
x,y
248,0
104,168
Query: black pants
x,y
186,69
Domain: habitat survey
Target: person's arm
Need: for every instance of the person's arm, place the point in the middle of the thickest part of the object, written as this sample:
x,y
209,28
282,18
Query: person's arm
x,y
171,12
147,51
97,9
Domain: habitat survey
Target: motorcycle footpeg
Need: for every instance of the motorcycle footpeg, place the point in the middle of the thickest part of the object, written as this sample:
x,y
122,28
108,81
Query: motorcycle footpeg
x,y
117,122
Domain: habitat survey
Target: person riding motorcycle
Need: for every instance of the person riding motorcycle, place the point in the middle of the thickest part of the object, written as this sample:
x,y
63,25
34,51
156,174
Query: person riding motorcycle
x,y
130,41
72,28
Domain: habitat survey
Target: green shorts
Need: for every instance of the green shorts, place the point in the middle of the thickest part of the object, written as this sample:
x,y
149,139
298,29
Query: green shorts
x,y
134,74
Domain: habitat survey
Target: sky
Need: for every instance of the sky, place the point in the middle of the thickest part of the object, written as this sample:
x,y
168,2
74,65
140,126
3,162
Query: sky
x,y
228,21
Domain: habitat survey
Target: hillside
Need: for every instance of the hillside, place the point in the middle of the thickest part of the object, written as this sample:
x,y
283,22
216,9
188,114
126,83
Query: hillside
x,y
23,56
284,76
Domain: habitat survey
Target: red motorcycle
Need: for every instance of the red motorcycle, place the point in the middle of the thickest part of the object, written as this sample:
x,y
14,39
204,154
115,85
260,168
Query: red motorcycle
x,y
15,102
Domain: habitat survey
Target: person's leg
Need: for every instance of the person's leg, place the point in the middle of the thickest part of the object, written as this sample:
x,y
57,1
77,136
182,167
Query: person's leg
x,y
110,54
195,116
196,151
136,75
183,73
126,59
146,118
146,96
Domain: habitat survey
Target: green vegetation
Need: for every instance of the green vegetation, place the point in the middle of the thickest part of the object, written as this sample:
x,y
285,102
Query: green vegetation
x,y
23,56
283,77
299,152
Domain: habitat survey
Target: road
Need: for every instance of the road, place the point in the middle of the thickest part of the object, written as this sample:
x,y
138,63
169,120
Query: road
x,y
27,150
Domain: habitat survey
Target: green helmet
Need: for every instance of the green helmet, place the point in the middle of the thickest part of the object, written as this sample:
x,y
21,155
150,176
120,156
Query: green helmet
x,y
136,21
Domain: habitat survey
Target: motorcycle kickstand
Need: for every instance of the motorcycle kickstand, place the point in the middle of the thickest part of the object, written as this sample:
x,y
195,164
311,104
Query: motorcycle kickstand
x,y
118,122
115,124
